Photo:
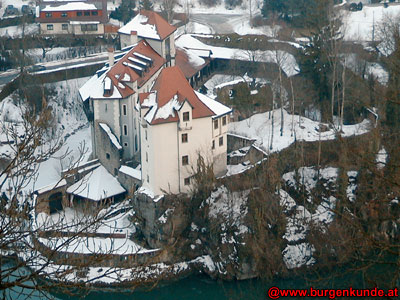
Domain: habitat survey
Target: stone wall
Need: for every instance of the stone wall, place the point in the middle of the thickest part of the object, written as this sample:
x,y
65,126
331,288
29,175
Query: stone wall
x,y
236,142
104,148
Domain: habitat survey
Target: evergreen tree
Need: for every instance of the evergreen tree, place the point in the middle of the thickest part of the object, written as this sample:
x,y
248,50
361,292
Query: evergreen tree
x,y
125,11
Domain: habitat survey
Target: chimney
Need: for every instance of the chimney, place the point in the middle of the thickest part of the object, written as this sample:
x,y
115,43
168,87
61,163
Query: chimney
x,y
134,37
110,56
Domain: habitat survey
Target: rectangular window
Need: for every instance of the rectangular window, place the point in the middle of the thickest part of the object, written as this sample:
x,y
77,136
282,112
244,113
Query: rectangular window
x,y
64,15
124,109
79,13
50,27
94,13
186,116
89,27
187,181
185,160
147,157
49,15
184,137
215,124
108,155
86,13
221,140
148,179
213,145
145,134
64,26
224,121
105,108
125,130
126,144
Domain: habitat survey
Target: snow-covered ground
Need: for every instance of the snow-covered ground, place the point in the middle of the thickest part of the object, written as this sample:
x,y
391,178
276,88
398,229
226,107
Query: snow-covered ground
x,y
70,127
17,31
196,7
219,81
268,137
358,66
287,61
359,25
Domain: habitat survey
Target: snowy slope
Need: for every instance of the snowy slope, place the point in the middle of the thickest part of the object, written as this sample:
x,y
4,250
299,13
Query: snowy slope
x,y
259,127
358,25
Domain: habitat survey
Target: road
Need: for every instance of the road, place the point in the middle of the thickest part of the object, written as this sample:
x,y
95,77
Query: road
x,y
9,75
220,23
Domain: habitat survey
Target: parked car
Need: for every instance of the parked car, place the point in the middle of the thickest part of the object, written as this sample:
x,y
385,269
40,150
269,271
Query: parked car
x,y
10,10
36,68
27,10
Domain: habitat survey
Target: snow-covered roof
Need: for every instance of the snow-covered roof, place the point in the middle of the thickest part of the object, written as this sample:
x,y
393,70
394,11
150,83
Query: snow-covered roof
x,y
97,185
52,186
70,7
138,64
111,135
170,91
217,107
131,172
148,24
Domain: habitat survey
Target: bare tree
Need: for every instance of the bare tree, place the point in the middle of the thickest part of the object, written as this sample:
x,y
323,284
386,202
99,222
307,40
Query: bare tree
x,y
168,7
35,246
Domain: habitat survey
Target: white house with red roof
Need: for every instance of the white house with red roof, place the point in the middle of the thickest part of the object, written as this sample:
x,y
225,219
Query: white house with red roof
x,y
147,121
72,17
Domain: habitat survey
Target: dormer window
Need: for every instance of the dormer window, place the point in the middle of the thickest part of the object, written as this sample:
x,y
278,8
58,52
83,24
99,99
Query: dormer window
x,y
185,116
107,86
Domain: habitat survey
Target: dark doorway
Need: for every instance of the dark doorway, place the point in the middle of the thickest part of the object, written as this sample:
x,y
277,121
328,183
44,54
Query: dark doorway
x,y
55,203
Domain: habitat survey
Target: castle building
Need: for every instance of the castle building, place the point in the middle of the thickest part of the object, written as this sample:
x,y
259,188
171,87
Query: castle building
x,y
145,116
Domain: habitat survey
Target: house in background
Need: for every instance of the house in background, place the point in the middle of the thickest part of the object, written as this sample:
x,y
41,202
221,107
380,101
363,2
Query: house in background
x,y
147,121
72,17
158,33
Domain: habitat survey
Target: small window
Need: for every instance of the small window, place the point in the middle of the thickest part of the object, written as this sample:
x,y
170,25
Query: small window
x,y
49,15
94,13
221,140
125,130
124,109
126,144
184,137
86,13
147,157
213,145
148,179
64,26
185,160
108,155
186,116
224,121
50,27
215,124
79,13
187,181
64,15
145,134
105,108
115,172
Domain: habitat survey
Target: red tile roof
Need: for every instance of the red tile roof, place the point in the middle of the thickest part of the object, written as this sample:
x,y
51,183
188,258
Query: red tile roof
x,y
162,28
171,82
120,71
183,62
